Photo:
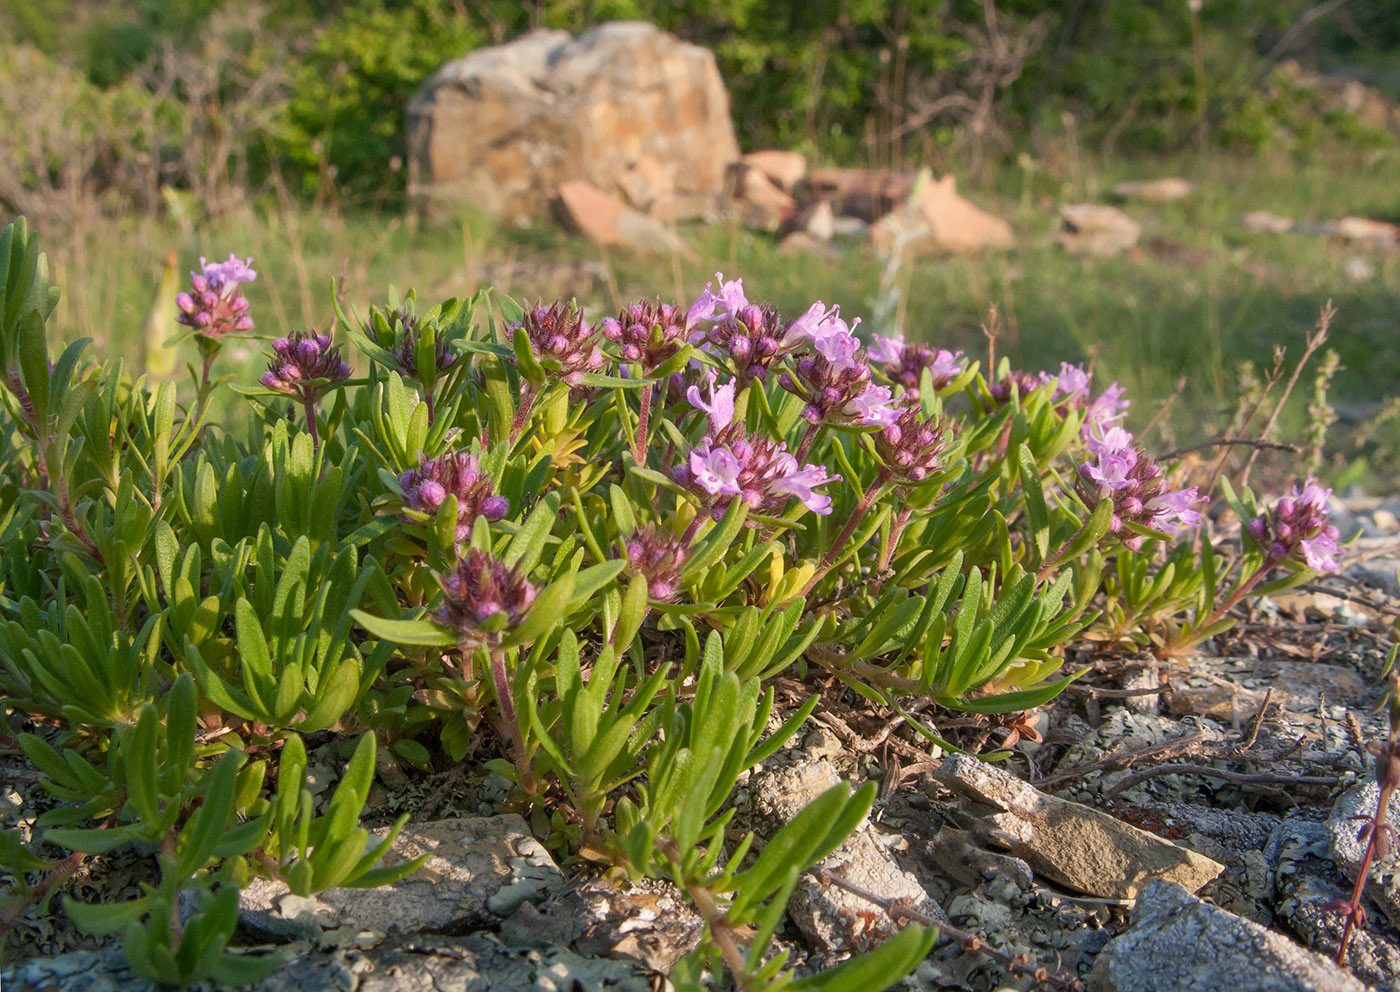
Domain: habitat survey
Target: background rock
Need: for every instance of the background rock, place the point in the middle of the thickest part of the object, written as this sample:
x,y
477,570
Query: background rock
x,y
956,225
1164,190
504,126
1096,229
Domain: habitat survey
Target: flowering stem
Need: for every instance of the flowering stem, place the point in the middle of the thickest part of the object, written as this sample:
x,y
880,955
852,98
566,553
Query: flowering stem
x,y
805,445
867,500
309,404
1241,591
506,702
642,417
901,520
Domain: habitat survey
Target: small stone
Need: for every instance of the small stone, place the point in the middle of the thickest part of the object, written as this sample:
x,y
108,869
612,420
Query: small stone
x,y
837,921
784,168
821,222
479,868
1265,222
1096,229
1177,943
1164,190
1078,847
1359,270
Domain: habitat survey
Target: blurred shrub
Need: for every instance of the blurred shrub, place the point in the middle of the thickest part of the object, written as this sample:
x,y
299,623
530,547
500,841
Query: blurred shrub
x,y
862,81
345,120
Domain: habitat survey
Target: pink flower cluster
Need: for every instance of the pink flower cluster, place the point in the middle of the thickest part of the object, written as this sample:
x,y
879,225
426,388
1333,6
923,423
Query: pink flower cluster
x,y
727,463
1299,528
215,305
1121,471
751,336
906,362
427,487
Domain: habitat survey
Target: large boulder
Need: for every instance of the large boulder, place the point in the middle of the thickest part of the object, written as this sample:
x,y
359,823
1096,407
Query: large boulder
x,y
504,126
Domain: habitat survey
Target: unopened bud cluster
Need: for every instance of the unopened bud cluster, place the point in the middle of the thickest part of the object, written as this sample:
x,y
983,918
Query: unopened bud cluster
x,y
483,597
657,555
911,448
563,341
403,345
427,487
648,332
304,365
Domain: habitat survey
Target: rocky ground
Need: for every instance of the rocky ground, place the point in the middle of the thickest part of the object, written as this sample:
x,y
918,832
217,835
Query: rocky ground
x,y
1177,827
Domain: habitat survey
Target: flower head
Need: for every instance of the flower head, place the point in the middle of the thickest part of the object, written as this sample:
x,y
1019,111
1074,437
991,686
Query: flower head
x,y
1071,383
215,305
717,306
829,334
563,341
648,333
1022,383
911,447
906,362
1105,409
658,556
483,597
427,487
1120,471
729,464
839,394
304,366
721,405
1299,528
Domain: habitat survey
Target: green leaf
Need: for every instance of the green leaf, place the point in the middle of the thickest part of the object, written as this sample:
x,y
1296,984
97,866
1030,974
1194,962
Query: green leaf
x,y
422,633
1037,515
875,970
201,834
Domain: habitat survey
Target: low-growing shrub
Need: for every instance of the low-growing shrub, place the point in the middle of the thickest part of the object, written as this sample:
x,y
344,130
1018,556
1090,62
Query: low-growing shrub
x,y
577,551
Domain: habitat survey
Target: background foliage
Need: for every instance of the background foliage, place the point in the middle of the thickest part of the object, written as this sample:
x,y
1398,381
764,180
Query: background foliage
x,y
853,82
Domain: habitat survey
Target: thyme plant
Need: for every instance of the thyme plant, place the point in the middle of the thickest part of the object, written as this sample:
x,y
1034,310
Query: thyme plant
x,y
576,550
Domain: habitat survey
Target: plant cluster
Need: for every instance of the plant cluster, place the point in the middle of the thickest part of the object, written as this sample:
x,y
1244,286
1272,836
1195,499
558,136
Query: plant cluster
x,y
578,551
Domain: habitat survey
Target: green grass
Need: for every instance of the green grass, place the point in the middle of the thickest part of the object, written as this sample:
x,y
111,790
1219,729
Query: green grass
x,y
1202,296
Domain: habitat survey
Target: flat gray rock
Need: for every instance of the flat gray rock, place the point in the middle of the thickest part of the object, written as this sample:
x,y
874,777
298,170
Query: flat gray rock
x,y
480,869
1078,847
1177,943
476,963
